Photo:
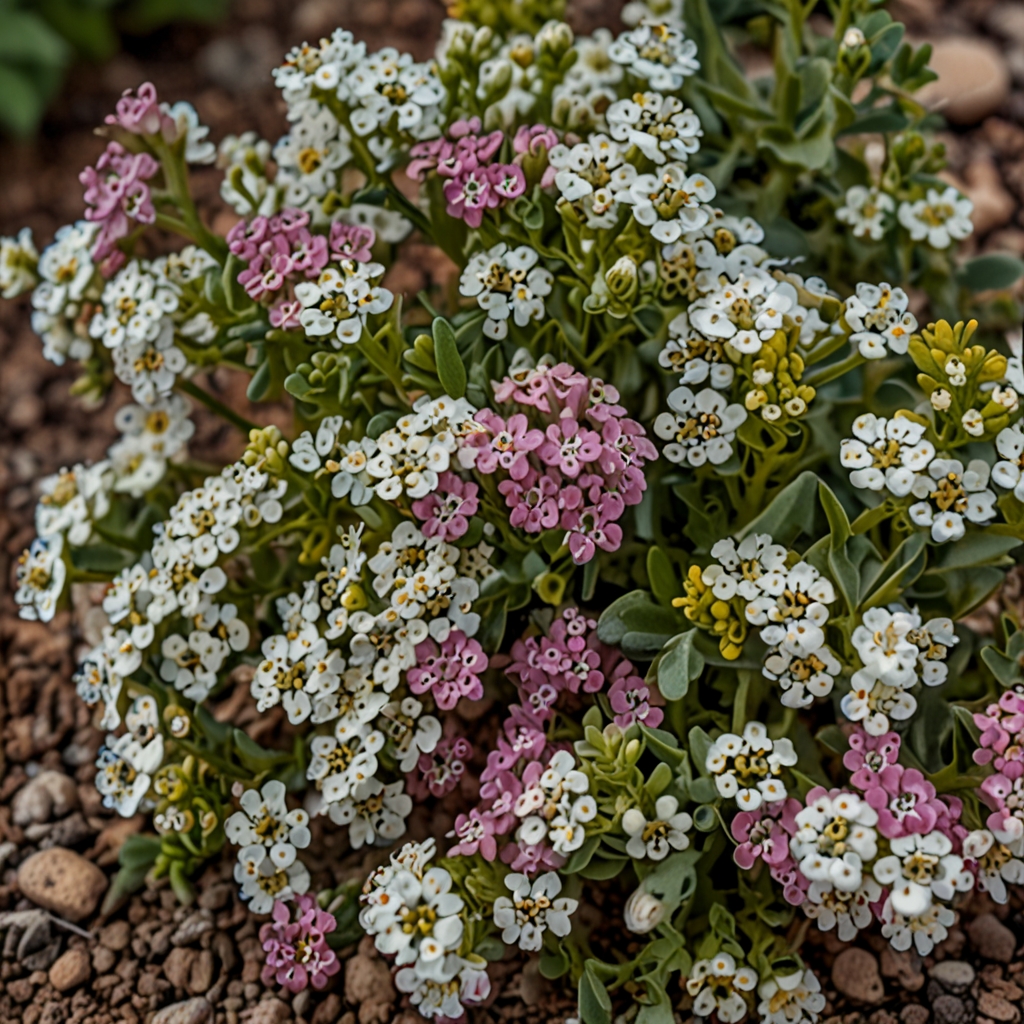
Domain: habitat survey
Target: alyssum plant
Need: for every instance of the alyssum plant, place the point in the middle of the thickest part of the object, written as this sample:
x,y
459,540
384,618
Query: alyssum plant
x,y
716,525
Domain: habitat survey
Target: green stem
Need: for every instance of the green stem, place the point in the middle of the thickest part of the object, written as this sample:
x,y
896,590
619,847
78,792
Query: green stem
x,y
378,359
215,405
834,370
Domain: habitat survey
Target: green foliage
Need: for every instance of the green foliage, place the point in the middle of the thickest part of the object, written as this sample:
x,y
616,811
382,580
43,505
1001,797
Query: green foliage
x,y
40,38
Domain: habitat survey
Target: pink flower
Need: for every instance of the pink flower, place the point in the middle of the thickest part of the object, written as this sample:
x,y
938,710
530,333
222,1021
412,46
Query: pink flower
x,y
475,832
503,790
444,512
297,951
905,801
141,113
284,314
594,528
352,242
765,833
117,193
631,699
530,859
451,672
869,755
439,772
278,249
509,445
1001,742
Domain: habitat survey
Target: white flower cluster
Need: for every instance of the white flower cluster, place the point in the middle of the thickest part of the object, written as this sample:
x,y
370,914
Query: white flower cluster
x,y
895,456
19,262
663,833
897,650
269,836
922,870
877,315
556,807
509,284
150,436
405,459
835,839
337,304
658,53
791,998
865,210
411,912
126,764
749,767
68,279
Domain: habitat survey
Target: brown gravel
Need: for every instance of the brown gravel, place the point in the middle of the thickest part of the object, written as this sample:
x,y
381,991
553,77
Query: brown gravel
x,y
155,961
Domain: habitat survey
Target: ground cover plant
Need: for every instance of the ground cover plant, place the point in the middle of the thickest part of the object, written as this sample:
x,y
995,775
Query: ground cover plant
x,y
675,473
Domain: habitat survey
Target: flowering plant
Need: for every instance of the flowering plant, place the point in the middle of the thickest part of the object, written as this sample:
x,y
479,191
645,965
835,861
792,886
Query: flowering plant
x,y
640,488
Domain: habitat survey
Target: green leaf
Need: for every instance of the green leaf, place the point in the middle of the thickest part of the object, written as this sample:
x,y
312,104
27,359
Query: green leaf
x,y
700,743
790,513
581,858
259,386
554,965
237,297
256,758
994,270
601,869
451,370
104,558
678,666
594,1001
635,612
884,120
381,422
661,575
663,745
903,567
22,101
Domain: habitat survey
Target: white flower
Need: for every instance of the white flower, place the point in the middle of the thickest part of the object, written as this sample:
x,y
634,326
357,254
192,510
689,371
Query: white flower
x,y
198,149
375,813
341,762
310,157
700,428
950,494
71,500
508,284
39,578
695,357
338,303
458,982
1015,364
939,218
1009,471
791,998
66,271
835,836
126,765
663,833
996,864
532,910
192,664
920,870
973,423
590,175
798,599
879,319
886,646
865,210
669,202
873,703
18,262
659,53
643,912
749,767
924,931
151,435
97,683
751,568
716,985
243,158
265,820
263,880
296,672
659,126
846,911
802,678
886,453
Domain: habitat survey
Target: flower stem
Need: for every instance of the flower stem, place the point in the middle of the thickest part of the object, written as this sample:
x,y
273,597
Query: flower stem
x,y
215,405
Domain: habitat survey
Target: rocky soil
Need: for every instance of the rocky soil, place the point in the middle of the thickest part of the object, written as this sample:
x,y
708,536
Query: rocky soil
x,y
151,960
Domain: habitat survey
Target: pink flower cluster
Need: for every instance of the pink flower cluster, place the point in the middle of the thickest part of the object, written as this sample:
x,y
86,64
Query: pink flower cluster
x,y
473,184
297,951
440,771
905,800
1001,742
117,194
764,834
577,470
281,249
445,512
449,672
532,145
566,659
570,657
